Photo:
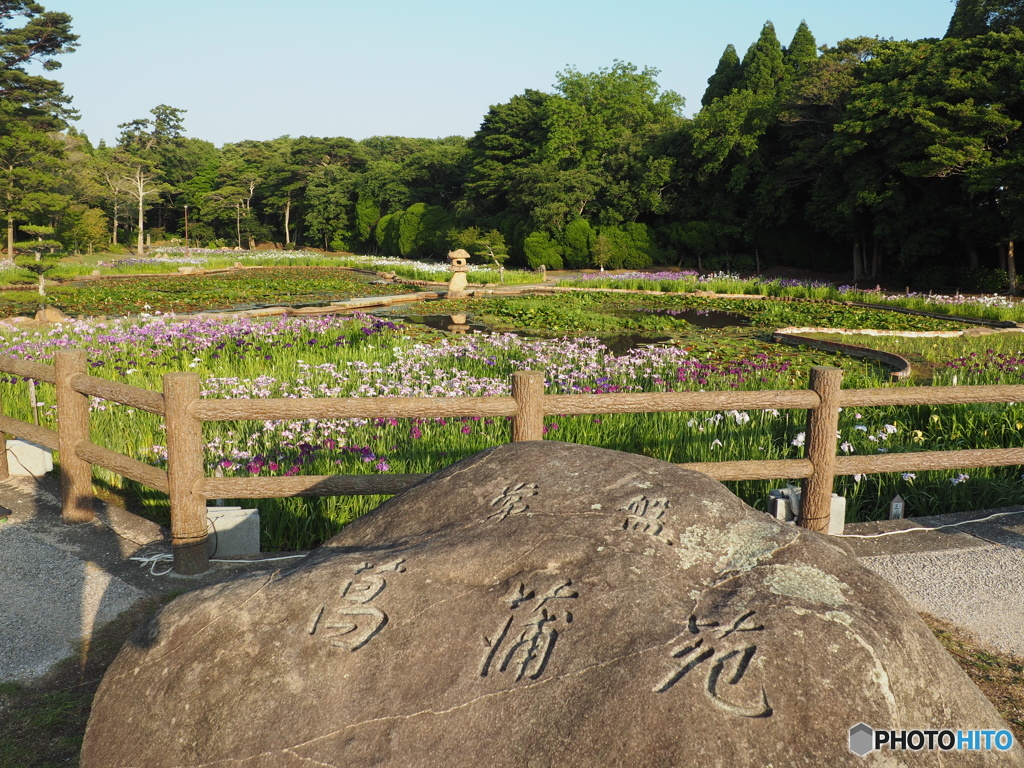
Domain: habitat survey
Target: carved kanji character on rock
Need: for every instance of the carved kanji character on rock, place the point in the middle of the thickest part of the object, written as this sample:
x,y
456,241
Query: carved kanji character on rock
x,y
525,648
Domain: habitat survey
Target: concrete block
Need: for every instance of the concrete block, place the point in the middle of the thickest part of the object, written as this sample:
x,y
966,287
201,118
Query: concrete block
x,y
233,531
837,515
25,458
784,505
779,506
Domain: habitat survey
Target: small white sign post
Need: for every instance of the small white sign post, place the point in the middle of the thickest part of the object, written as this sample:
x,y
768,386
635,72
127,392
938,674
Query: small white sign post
x,y
896,508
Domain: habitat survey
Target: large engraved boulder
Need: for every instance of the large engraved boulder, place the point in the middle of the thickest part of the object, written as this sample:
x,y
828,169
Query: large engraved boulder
x,y
541,604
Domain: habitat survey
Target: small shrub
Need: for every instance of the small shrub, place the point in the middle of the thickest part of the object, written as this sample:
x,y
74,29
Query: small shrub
x,y
578,244
540,249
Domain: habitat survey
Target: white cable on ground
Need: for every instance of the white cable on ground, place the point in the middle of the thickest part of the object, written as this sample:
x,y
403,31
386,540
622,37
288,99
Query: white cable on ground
x,y
919,530
153,561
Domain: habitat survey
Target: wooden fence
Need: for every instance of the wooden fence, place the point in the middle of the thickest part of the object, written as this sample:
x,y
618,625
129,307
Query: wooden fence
x,y
185,412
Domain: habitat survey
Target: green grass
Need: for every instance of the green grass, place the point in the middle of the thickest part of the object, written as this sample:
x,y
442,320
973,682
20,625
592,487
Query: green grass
x,y
197,293
16,274
999,312
1000,676
608,313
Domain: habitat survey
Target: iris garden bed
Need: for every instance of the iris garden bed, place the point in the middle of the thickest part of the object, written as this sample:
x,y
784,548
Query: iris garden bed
x,y
988,307
197,293
596,312
382,356
375,357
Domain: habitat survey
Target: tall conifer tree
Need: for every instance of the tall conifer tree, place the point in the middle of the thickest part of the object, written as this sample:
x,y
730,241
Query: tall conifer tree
x,y
976,17
726,76
762,65
802,51
970,18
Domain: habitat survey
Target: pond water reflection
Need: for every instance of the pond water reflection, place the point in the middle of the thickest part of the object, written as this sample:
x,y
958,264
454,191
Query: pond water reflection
x,y
443,322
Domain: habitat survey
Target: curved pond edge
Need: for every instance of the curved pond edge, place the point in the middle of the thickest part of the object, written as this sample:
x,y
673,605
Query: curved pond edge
x,y
900,365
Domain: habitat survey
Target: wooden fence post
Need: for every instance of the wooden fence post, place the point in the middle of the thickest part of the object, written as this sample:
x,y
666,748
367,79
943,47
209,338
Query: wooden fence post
x,y
5,471
822,425
76,493
184,473
528,391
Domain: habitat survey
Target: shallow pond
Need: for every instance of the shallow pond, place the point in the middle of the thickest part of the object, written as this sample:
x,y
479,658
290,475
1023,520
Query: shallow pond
x,y
704,318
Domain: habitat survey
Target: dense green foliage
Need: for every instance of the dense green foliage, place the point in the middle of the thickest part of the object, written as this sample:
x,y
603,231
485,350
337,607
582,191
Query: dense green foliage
x,y
32,109
897,158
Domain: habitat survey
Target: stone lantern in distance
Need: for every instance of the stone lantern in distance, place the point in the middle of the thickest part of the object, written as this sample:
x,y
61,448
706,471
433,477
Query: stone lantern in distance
x,y
459,267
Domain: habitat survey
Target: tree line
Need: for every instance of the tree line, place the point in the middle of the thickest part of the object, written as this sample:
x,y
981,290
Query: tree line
x,y
894,158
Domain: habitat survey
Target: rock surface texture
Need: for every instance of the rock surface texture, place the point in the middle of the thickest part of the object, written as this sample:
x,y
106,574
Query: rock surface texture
x,y
541,604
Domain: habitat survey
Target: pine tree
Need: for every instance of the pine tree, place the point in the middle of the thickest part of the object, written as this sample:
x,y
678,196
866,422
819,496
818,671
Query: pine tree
x,y
43,36
762,65
726,76
1007,16
31,107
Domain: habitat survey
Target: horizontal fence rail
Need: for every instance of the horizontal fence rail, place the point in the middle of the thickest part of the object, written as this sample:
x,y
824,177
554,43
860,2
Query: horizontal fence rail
x,y
131,468
185,411
143,399
663,402
282,409
28,369
39,435
978,393
753,470
306,485
920,462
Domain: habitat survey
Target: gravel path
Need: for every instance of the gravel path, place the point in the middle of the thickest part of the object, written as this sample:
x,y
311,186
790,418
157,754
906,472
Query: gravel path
x,y
51,602
980,589
59,582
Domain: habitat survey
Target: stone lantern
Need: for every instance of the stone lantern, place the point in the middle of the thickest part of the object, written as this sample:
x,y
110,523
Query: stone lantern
x,y
459,267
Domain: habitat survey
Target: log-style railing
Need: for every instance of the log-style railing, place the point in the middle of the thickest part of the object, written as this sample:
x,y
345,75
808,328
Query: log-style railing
x,y
185,411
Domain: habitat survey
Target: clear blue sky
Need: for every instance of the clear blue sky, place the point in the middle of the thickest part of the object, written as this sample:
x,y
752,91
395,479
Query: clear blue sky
x,y
256,69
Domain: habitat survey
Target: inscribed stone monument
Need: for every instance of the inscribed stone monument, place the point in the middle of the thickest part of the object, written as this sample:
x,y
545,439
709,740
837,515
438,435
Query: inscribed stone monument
x,y
541,604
